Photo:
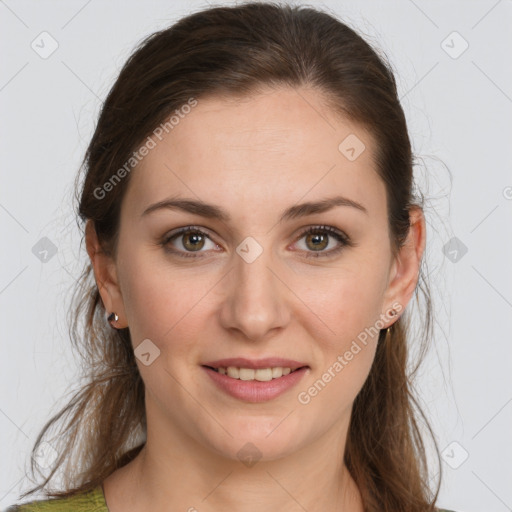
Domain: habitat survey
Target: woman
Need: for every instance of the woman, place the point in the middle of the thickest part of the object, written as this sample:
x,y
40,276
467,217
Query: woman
x,y
254,248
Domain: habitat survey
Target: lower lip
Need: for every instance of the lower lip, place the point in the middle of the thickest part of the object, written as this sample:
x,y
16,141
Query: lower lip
x,y
253,390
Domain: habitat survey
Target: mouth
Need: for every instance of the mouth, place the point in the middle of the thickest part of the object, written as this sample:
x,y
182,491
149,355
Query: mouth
x,y
255,384
255,374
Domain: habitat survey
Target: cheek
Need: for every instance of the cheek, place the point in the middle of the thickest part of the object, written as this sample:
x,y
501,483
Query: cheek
x,y
346,300
348,306
162,300
331,393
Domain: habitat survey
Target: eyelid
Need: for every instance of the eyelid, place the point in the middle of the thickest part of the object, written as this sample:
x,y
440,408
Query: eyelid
x,y
342,238
176,233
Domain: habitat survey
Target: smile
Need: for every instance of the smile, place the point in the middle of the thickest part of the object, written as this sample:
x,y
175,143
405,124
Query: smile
x,y
260,374
255,385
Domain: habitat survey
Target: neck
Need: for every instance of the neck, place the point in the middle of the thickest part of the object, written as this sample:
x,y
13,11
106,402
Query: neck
x,y
175,472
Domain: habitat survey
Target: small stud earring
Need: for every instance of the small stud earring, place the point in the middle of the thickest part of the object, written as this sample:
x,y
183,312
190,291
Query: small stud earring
x,y
393,313
112,318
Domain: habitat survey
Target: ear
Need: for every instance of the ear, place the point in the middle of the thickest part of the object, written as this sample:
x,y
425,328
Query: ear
x,y
405,267
106,276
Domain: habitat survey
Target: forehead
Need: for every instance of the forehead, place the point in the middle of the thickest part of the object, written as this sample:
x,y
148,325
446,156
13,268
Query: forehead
x,y
271,148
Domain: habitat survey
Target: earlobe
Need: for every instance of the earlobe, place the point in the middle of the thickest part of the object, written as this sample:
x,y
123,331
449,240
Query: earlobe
x,y
105,275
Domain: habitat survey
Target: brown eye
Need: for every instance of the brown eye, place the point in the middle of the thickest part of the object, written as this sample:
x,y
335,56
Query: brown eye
x,y
193,240
188,242
317,241
318,238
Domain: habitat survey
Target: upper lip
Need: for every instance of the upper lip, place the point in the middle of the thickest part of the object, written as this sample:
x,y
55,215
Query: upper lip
x,y
267,362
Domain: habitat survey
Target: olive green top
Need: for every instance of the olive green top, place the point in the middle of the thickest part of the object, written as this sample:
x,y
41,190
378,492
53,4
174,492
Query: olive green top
x,y
91,501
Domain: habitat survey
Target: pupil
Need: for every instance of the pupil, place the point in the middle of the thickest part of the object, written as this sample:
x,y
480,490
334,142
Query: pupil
x,y
318,238
195,237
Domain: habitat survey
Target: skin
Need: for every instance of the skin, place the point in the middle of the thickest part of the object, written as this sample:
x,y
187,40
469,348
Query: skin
x,y
253,157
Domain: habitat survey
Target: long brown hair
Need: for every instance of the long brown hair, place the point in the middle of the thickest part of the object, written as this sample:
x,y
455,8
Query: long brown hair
x,y
235,51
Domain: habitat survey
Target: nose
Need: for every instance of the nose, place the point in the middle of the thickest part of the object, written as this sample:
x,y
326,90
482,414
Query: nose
x,y
256,300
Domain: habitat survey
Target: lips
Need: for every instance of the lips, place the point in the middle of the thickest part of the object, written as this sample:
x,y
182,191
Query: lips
x,y
253,390
267,362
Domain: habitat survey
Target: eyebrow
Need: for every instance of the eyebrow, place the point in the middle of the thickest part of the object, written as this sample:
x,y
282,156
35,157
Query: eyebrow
x,y
211,211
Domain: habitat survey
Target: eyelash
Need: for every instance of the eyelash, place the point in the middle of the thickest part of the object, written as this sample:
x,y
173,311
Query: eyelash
x,y
343,239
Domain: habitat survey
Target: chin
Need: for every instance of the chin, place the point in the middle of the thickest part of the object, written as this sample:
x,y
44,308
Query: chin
x,y
258,439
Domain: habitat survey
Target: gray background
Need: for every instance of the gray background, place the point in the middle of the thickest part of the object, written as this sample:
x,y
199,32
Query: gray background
x,y
458,105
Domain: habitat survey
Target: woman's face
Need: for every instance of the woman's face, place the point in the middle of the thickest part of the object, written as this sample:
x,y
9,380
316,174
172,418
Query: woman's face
x,y
253,284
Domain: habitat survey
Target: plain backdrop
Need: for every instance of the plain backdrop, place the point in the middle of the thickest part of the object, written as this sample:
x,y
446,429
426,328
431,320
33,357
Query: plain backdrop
x,y
455,84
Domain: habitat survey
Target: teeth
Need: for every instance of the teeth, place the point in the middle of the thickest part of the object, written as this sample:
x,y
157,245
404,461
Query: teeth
x,y
261,374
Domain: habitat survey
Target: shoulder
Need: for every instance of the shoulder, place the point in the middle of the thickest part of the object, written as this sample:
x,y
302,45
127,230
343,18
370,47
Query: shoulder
x,y
89,501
